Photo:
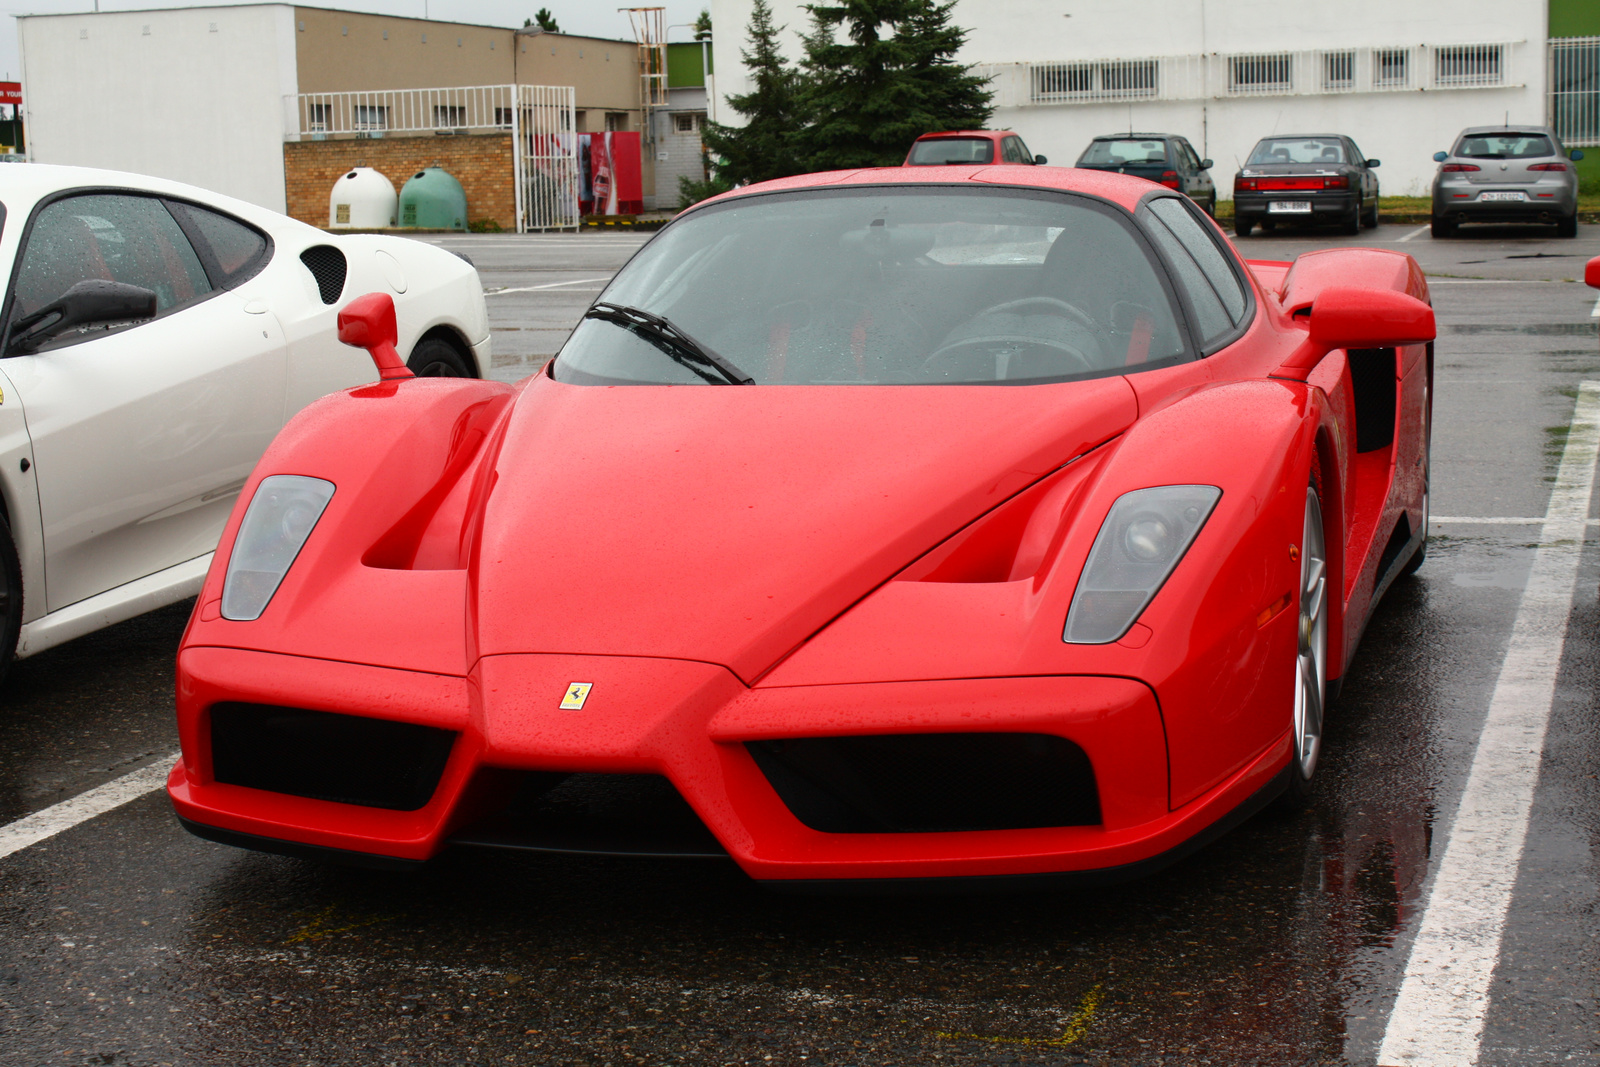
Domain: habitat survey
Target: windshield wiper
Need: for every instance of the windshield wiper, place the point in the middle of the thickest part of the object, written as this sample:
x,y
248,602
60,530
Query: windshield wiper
x,y
674,342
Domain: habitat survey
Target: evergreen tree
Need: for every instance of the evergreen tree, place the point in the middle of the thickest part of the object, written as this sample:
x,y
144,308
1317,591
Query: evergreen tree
x,y
891,79
702,25
544,20
765,146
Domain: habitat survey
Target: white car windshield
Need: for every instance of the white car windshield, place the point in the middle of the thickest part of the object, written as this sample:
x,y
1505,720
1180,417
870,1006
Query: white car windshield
x,y
882,286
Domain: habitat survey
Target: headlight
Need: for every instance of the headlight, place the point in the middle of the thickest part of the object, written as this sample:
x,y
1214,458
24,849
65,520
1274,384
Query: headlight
x,y
282,515
1143,538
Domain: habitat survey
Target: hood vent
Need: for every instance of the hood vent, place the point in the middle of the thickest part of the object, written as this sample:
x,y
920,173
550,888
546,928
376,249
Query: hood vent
x,y
326,264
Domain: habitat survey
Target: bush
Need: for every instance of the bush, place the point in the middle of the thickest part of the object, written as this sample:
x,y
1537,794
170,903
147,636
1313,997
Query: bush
x,y
485,226
691,192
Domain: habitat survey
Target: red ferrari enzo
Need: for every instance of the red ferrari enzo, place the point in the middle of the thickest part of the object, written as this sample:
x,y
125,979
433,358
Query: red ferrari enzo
x,y
884,525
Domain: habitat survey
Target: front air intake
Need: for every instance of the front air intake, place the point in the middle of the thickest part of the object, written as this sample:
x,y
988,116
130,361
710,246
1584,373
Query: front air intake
x,y
931,783
318,754
327,265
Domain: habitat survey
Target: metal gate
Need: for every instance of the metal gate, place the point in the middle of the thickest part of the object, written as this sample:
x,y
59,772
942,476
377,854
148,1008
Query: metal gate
x,y
1575,89
546,153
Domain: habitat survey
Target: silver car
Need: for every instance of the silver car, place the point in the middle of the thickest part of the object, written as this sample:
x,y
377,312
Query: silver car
x,y
1506,174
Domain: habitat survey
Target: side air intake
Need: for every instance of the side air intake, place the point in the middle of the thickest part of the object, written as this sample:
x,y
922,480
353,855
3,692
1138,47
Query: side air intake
x,y
350,759
326,264
931,783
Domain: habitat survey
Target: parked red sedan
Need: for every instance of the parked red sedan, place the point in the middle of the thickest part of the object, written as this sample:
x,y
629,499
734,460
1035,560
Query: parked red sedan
x,y
986,522
970,146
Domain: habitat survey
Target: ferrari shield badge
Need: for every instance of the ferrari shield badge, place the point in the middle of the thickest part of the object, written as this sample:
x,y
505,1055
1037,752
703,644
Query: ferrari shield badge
x,y
576,694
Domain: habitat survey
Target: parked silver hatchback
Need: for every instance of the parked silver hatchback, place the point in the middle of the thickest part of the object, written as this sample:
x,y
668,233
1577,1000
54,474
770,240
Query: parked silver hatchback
x,y
1506,174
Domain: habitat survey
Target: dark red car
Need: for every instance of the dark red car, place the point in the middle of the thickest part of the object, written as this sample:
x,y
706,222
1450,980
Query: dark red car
x,y
968,147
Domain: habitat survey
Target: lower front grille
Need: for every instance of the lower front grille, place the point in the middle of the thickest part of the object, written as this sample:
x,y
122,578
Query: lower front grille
x,y
325,756
931,783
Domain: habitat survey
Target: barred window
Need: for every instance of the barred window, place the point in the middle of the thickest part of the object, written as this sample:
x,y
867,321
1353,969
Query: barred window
x,y
371,117
1338,70
1257,74
1470,64
449,116
1391,68
1121,78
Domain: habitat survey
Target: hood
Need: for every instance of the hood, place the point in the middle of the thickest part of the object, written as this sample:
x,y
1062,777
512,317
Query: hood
x,y
729,524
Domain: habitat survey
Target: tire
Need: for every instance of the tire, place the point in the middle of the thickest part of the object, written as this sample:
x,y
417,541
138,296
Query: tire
x,y
437,358
1242,227
1371,219
1311,657
1211,208
1352,225
1443,227
1568,227
10,598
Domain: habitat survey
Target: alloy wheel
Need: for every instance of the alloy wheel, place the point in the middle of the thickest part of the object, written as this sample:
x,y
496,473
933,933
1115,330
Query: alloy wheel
x,y
1311,673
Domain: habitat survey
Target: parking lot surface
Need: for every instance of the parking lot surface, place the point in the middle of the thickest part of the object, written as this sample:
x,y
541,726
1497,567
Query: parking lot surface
x,y
123,940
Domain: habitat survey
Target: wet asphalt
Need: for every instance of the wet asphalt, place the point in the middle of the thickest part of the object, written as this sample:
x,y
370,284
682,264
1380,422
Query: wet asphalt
x,y
126,941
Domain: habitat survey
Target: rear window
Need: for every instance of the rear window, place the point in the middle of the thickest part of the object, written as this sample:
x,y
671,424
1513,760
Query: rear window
x,y
883,286
1119,152
1298,150
952,150
1505,146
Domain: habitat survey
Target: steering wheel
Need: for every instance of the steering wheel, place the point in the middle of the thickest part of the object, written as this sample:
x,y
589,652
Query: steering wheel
x,y
1000,348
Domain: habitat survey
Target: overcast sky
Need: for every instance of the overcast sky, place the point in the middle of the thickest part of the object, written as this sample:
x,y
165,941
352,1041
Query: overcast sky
x,y
591,17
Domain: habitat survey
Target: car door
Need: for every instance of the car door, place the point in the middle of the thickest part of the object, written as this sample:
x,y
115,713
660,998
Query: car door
x,y
1358,159
143,434
1197,182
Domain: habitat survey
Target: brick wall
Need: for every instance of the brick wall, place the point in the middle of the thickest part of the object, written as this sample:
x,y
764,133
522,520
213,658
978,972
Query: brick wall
x,y
481,163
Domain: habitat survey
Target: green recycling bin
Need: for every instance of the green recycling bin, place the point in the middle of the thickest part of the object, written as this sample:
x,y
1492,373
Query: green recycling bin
x,y
433,200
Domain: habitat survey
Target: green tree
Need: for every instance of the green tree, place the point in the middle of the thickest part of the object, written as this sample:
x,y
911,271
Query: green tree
x,y
765,146
544,20
892,78
702,25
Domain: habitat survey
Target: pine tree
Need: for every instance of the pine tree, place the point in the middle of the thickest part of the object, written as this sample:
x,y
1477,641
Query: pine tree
x,y
890,80
702,25
765,146
544,20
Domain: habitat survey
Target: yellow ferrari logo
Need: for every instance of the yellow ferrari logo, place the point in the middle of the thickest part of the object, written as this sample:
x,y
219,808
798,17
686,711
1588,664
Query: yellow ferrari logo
x,y
575,695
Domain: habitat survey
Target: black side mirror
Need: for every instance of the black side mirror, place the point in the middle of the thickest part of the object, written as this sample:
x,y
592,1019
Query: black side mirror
x,y
1372,164
1040,161
1206,164
90,302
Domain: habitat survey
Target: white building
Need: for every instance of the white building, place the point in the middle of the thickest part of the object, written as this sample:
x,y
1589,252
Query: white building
x,y
1400,78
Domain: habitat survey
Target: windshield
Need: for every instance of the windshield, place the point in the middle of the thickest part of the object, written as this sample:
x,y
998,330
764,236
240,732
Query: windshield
x,y
883,286
1125,151
1298,150
1505,146
952,150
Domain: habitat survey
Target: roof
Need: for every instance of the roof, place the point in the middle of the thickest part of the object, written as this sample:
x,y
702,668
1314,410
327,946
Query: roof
x,y
1299,136
1131,135
1119,189
1515,128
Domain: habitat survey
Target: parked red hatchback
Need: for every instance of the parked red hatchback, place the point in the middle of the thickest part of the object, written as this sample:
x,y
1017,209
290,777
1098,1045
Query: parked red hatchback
x,y
970,147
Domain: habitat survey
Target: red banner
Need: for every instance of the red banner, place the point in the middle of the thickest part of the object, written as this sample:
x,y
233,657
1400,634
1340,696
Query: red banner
x,y
10,92
610,182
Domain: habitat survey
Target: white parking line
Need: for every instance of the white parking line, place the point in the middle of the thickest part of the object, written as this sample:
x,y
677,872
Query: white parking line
x,y
31,829
1595,312
1437,1019
1494,520
549,285
1418,232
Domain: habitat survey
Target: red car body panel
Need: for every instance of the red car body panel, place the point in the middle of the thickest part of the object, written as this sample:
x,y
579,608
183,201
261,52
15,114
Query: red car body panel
x,y
729,566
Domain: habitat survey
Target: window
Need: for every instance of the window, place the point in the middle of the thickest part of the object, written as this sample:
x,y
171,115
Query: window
x,y
688,121
450,116
317,116
1057,81
1211,318
1474,64
132,239
232,252
371,117
1117,151
1198,243
1271,150
1260,74
1391,68
502,117
616,120
937,150
1338,70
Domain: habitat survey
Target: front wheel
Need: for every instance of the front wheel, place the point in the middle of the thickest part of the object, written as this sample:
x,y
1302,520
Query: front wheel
x,y
437,358
1311,655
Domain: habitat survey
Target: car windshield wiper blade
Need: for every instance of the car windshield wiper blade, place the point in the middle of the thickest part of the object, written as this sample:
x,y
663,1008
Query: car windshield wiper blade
x,y
677,344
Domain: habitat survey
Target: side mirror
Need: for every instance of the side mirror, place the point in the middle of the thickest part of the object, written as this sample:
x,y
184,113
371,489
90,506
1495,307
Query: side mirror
x,y
90,302
1206,164
368,322
1591,273
1040,161
1348,317
1372,164
1575,155
1440,157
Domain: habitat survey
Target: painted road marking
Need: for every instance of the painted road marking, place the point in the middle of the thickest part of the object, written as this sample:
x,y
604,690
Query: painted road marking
x,y
31,829
1418,232
1437,1019
1495,520
1595,312
548,285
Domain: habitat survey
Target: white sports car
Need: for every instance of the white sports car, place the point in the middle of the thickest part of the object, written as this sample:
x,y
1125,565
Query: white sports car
x,y
155,338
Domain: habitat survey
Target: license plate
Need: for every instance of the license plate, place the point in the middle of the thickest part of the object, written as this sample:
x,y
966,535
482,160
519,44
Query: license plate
x,y
1289,207
1503,196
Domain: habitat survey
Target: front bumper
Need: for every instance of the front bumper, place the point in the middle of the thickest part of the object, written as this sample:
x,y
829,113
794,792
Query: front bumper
x,y
694,724
1325,207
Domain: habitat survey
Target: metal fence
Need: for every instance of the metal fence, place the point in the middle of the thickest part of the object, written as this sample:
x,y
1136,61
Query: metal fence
x,y
1574,108
1279,73
539,118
